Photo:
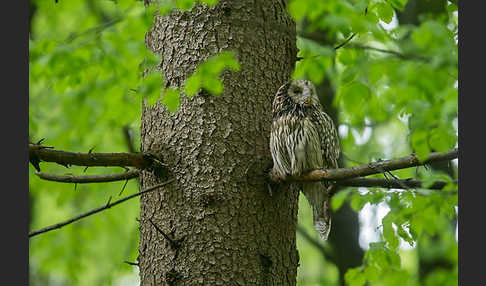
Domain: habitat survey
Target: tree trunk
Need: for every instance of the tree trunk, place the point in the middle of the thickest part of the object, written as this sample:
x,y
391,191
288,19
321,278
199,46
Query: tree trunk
x,y
225,227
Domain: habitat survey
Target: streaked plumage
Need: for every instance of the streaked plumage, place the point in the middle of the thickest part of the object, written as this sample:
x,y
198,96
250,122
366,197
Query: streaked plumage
x,y
303,138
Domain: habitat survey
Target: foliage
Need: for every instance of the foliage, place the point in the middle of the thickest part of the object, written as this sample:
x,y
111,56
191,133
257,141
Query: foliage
x,y
89,71
395,91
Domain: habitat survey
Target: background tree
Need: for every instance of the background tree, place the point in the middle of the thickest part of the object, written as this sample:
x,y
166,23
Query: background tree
x,y
395,91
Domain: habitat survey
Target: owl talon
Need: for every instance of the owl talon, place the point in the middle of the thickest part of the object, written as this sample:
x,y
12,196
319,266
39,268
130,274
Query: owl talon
x,y
331,189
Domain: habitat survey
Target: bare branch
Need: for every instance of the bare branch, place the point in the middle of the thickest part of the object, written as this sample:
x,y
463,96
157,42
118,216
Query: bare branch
x,y
345,42
38,153
390,184
90,178
174,243
368,169
97,210
390,52
131,263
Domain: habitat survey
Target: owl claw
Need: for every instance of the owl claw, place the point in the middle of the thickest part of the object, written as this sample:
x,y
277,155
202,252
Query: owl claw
x,y
331,189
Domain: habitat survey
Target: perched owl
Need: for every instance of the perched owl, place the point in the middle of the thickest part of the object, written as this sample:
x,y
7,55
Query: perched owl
x,y
303,138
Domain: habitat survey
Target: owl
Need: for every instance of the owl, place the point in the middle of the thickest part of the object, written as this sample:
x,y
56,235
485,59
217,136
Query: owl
x,y
303,138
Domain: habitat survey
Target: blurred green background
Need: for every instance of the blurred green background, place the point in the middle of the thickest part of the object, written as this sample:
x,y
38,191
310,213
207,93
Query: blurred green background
x,y
391,87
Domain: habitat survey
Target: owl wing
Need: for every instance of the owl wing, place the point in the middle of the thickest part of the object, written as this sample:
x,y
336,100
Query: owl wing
x,y
279,132
329,140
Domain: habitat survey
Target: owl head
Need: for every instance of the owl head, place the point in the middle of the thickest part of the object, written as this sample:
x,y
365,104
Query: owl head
x,y
303,92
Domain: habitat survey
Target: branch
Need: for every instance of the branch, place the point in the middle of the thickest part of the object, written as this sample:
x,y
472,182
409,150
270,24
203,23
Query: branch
x,y
89,179
387,183
97,210
345,42
38,153
395,53
368,169
131,263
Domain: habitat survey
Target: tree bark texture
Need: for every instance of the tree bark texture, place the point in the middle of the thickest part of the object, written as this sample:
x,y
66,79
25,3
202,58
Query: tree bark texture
x,y
218,224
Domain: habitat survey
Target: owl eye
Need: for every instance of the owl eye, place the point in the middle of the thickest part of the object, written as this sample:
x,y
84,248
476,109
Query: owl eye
x,y
297,89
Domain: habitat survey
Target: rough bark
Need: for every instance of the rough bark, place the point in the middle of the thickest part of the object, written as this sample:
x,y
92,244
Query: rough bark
x,y
223,225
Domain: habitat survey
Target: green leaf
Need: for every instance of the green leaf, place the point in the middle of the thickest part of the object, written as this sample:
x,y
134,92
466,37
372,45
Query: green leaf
x,y
151,87
347,56
372,273
298,9
389,232
339,198
420,144
355,277
357,202
171,99
229,60
210,2
213,84
398,4
193,84
184,4
349,74
451,7
404,235
442,139
385,12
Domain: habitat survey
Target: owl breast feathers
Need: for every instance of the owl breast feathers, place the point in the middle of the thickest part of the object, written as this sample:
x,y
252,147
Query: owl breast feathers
x,y
303,138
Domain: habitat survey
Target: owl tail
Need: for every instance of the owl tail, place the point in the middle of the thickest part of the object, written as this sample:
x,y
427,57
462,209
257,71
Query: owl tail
x,y
318,197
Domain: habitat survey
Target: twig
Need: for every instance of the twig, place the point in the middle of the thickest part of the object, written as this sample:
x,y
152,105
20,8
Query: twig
x,y
345,42
97,210
89,178
173,242
391,184
131,263
96,29
368,169
123,188
391,52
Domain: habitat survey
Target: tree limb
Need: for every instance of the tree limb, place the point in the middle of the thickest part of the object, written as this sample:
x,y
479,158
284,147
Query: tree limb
x,y
367,169
90,178
97,210
38,153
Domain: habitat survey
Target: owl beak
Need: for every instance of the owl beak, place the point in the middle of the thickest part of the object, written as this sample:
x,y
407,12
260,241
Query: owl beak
x,y
308,101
